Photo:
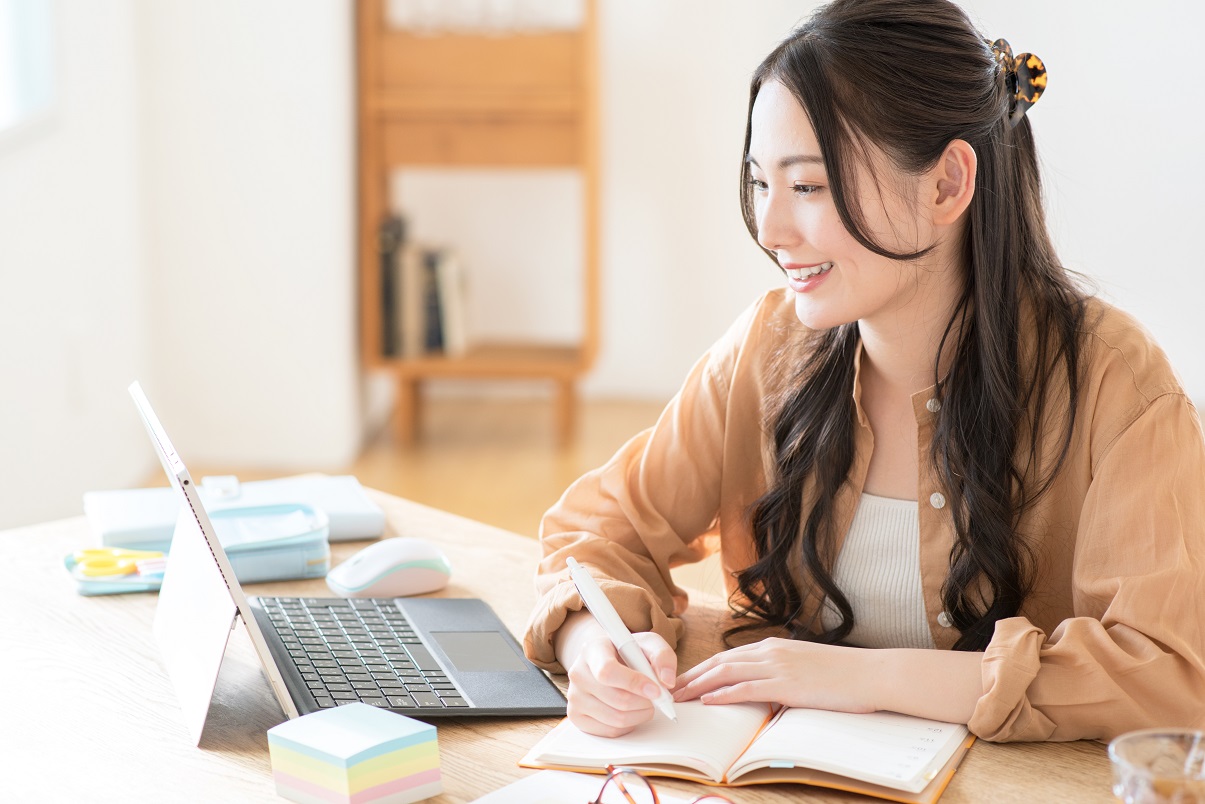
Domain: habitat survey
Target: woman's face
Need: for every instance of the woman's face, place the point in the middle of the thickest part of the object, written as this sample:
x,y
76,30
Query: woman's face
x,y
835,279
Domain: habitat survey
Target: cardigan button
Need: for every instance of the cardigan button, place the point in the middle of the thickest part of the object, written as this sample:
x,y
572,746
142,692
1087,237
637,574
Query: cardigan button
x,y
933,405
944,620
937,500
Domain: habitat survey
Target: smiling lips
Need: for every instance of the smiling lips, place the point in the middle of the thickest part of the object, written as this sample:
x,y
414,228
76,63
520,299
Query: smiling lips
x,y
804,277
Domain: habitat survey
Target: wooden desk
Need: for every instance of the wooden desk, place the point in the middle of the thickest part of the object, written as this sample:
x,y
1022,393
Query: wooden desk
x,y
88,714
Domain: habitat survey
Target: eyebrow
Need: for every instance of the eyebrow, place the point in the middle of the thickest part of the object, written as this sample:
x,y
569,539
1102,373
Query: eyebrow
x,y
790,161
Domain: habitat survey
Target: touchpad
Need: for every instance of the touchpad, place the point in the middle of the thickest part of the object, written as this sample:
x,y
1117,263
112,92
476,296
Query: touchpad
x,y
478,650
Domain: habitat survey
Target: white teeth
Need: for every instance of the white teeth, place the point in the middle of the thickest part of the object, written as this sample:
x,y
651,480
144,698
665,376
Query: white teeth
x,y
804,273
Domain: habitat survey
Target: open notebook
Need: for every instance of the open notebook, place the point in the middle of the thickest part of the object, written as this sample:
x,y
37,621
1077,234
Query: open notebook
x,y
883,754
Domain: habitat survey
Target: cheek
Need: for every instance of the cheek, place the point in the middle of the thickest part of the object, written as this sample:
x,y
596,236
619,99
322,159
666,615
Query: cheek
x,y
824,229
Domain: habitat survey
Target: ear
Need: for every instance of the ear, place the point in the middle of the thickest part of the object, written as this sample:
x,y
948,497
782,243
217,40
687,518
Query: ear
x,y
953,182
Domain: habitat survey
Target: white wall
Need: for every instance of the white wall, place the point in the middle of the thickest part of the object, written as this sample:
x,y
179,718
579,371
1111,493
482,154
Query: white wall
x,y
249,117
72,289
185,217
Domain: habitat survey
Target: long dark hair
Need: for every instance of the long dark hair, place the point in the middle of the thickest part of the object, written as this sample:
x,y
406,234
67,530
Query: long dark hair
x,y
908,77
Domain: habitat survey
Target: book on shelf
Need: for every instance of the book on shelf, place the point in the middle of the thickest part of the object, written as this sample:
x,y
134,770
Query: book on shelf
x,y
450,295
390,238
881,754
433,334
410,301
423,295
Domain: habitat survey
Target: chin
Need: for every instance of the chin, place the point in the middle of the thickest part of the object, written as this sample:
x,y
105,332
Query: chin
x,y
814,316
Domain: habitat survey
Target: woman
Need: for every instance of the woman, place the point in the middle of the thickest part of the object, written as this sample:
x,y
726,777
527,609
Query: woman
x,y
932,444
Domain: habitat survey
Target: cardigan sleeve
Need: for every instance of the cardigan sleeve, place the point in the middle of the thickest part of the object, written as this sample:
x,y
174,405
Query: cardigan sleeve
x,y
1133,654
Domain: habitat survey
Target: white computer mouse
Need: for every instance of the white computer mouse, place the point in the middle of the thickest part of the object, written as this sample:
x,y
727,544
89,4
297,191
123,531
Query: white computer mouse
x,y
391,568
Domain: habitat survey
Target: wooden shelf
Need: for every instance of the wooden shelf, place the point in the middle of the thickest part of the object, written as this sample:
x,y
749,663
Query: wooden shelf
x,y
497,361
516,100
423,102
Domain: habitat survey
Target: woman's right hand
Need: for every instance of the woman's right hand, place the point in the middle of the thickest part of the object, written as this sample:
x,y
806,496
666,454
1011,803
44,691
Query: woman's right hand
x,y
606,697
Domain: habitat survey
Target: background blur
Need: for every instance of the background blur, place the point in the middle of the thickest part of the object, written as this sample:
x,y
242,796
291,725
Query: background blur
x,y
178,207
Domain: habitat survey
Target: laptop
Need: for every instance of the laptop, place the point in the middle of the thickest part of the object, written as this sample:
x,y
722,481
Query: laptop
x,y
421,657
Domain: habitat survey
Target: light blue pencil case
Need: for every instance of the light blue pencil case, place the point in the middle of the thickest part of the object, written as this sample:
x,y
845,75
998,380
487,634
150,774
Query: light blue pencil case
x,y
264,543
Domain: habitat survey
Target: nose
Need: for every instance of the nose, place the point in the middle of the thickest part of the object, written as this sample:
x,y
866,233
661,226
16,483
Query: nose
x,y
776,228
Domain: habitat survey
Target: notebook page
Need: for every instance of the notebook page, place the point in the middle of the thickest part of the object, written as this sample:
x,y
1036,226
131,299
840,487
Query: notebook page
x,y
885,748
705,739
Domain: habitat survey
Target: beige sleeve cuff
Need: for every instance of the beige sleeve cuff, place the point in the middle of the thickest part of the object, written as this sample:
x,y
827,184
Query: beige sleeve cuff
x,y
1010,665
635,605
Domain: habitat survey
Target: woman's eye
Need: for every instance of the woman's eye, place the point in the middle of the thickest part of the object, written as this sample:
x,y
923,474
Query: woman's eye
x,y
799,188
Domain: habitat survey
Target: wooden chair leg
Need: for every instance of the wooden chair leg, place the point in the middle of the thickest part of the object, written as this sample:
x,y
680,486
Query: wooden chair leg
x,y
566,412
408,411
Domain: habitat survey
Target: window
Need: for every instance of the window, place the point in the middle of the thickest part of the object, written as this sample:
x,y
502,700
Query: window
x,y
26,73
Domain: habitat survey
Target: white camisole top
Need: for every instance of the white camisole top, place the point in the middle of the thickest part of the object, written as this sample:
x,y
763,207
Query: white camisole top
x,y
878,570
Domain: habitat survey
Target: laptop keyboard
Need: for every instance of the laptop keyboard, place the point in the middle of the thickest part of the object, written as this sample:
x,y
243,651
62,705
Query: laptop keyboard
x,y
360,649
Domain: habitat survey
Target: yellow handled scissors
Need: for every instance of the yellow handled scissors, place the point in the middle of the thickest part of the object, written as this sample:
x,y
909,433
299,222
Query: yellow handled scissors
x,y
100,561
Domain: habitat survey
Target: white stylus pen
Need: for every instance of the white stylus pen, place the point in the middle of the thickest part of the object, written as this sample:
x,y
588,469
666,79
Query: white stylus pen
x,y
596,601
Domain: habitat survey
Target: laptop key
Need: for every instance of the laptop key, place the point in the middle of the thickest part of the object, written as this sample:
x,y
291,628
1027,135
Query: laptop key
x,y
427,699
324,701
422,658
345,696
401,701
454,701
381,702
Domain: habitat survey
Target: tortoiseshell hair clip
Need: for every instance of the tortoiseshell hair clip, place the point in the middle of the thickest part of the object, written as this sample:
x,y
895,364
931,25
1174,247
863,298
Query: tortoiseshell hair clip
x,y
1026,77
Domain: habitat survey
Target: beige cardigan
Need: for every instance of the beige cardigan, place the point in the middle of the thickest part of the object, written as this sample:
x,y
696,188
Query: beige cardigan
x,y
1112,637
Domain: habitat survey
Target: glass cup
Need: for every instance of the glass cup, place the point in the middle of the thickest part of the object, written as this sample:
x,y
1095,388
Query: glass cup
x,y
1159,766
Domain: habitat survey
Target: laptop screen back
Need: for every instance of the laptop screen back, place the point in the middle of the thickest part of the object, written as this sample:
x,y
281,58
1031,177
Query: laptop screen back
x,y
200,598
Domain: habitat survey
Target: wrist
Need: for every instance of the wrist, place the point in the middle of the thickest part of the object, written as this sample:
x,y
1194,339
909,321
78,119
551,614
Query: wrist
x,y
937,684
577,629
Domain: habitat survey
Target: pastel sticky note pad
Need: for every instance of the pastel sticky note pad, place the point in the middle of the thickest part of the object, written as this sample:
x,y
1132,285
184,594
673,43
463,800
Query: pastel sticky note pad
x,y
399,791
355,754
369,773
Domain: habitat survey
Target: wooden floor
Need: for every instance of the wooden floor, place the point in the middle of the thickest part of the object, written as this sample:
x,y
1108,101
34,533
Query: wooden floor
x,y
496,461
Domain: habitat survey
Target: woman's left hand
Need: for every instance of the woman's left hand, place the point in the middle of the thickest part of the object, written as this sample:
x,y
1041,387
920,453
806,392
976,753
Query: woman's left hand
x,y
785,671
